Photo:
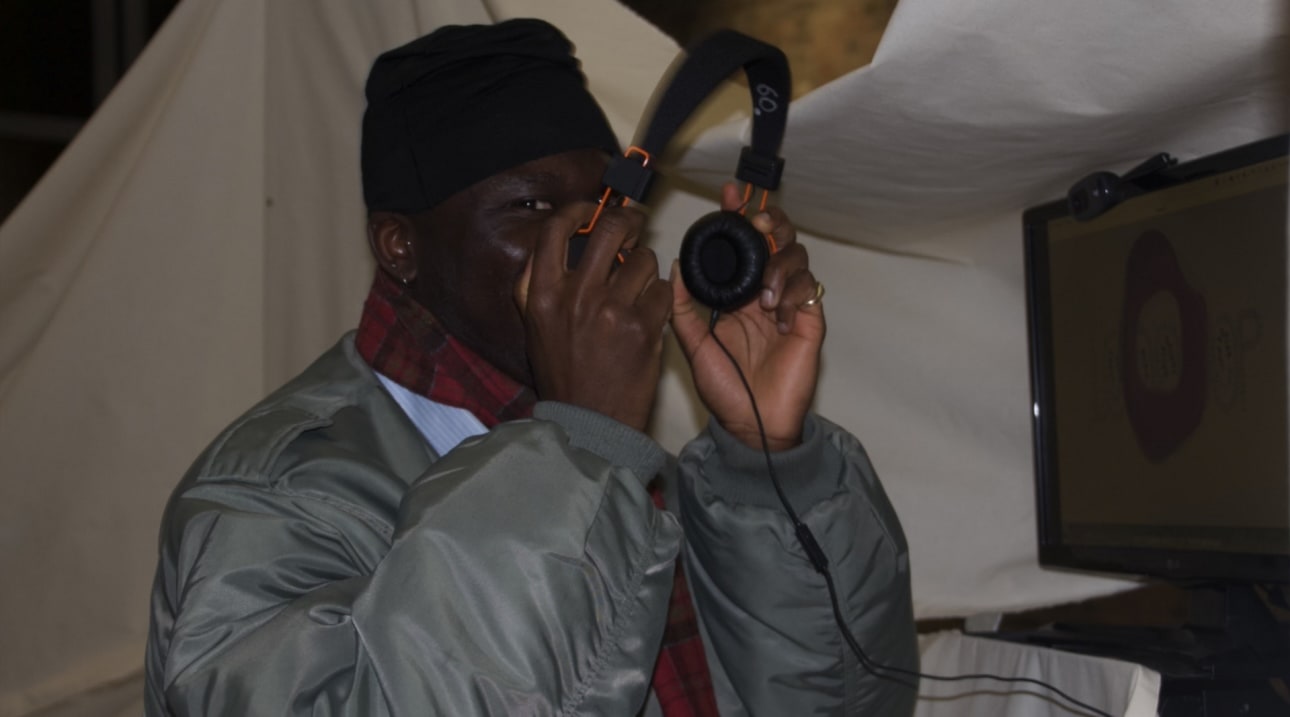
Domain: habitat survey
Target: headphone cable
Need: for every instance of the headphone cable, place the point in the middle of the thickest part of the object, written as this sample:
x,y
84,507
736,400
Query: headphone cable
x,y
820,562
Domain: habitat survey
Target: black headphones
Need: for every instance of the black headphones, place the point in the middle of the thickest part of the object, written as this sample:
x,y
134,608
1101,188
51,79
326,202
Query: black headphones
x,y
722,255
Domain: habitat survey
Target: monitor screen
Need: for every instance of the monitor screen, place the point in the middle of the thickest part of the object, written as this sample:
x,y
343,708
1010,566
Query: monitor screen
x,y
1158,373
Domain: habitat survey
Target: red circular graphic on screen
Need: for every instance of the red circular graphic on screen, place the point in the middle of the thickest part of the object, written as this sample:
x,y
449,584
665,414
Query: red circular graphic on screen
x,y
1162,418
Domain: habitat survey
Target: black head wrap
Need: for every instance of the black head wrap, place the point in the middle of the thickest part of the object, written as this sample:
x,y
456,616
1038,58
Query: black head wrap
x,y
465,102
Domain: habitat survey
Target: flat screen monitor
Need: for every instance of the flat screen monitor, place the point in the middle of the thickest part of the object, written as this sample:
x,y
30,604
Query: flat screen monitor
x,y
1157,336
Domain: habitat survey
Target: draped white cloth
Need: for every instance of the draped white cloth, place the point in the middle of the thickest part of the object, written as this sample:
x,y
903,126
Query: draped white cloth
x,y
202,240
1112,686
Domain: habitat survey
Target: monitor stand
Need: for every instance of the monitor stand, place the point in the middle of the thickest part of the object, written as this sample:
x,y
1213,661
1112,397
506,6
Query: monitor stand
x,y
1230,657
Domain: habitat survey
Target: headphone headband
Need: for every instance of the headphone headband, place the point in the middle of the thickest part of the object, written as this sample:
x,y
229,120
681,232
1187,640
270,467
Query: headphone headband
x,y
706,65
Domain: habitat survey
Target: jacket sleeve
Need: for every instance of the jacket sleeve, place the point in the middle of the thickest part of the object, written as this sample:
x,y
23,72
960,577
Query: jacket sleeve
x,y
772,641
525,574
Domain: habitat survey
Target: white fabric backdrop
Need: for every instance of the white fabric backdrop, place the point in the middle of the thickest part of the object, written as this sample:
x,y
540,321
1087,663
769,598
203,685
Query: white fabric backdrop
x,y
201,241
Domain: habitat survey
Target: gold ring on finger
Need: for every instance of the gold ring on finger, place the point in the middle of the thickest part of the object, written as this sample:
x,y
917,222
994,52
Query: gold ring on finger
x,y
819,294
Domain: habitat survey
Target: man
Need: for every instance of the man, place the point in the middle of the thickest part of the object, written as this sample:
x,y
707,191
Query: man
x,y
450,512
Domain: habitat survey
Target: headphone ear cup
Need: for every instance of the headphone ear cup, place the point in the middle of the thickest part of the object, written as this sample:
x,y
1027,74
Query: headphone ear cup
x,y
723,257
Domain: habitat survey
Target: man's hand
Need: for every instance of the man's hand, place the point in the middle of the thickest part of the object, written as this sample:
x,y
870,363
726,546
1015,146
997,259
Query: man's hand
x,y
776,340
595,333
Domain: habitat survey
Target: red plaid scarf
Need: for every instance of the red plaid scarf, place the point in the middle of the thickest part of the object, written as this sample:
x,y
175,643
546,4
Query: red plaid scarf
x,y
682,682
401,340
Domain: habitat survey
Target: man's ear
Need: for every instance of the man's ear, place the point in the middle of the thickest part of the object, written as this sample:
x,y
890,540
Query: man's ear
x,y
390,236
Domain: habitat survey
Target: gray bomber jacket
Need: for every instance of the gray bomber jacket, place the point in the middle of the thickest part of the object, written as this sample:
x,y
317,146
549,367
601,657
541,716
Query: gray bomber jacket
x,y
318,558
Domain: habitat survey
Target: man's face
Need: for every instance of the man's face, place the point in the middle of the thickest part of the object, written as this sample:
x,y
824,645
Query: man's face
x,y
472,248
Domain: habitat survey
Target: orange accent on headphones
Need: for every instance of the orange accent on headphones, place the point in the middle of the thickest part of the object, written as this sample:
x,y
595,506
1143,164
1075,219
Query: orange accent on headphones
x,y
606,197
743,211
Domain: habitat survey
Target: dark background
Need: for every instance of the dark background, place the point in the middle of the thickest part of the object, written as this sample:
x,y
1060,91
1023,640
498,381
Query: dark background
x,y
58,60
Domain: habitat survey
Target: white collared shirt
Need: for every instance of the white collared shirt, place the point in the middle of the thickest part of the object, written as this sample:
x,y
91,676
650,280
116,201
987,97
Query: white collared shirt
x,y
443,426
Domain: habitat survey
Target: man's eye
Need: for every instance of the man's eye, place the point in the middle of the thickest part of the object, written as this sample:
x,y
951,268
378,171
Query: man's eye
x,y
537,205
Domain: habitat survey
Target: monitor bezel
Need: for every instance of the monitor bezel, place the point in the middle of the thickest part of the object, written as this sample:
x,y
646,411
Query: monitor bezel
x,y
1168,563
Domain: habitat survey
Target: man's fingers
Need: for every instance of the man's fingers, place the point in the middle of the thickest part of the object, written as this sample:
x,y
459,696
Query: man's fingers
x,y
799,289
771,221
731,198
617,231
785,263
687,323
549,254
774,221
636,284
638,270
655,304
522,287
